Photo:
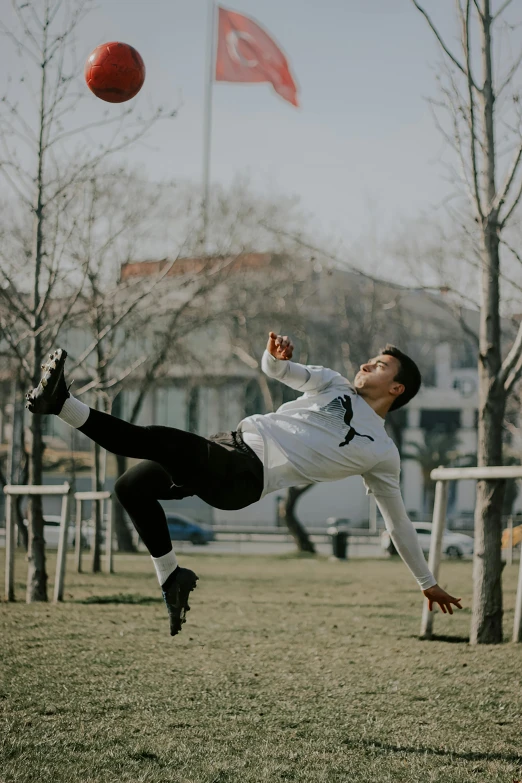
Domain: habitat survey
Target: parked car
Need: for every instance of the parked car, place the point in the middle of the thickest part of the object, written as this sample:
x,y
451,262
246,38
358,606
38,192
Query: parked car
x,y
52,532
185,529
453,544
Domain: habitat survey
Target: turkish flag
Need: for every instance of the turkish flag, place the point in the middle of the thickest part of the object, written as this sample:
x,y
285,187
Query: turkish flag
x,y
246,53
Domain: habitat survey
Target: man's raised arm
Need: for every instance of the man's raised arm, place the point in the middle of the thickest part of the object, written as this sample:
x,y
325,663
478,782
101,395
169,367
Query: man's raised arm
x,y
306,378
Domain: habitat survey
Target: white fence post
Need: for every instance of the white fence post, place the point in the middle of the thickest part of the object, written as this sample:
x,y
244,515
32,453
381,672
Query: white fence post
x,y
510,539
9,549
372,521
62,551
439,523
517,625
78,536
108,538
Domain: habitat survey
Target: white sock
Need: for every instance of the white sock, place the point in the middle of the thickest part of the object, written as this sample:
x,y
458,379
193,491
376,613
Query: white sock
x,y
74,412
165,565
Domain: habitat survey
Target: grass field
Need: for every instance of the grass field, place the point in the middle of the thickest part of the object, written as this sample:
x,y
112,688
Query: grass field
x,y
288,669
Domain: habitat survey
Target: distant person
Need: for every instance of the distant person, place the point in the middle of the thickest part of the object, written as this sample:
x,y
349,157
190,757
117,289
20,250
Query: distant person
x,y
332,431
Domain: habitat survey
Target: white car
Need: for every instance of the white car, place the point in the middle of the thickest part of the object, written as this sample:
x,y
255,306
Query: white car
x,y
52,532
453,544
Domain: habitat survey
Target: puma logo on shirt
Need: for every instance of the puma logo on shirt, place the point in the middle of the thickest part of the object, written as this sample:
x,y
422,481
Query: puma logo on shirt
x,y
341,410
348,416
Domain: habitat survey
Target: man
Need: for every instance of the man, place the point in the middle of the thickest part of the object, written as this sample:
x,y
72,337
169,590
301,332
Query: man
x,y
332,431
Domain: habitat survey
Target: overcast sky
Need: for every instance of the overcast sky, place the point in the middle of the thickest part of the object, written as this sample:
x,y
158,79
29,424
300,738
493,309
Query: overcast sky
x,y
362,148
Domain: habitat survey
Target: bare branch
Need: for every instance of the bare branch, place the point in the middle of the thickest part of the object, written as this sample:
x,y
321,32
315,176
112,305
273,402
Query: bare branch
x,y
28,134
124,313
95,383
17,309
245,357
511,249
514,376
4,169
479,9
19,44
65,315
501,10
5,330
471,107
510,176
89,126
514,68
443,45
14,301
511,359
511,209
108,150
455,106
454,309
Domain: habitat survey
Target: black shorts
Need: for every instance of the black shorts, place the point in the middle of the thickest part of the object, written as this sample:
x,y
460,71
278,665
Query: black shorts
x,y
230,478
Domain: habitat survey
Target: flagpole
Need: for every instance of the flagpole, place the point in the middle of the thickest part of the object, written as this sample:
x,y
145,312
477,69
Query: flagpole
x,y
207,129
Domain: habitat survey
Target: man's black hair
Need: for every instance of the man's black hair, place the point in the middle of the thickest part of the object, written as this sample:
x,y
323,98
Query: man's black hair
x,y
409,375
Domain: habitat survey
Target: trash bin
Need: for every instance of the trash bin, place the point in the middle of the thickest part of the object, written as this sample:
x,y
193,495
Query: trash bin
x,y
338,531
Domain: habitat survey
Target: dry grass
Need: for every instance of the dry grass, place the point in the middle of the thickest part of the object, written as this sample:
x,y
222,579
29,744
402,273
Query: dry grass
x,y
287,670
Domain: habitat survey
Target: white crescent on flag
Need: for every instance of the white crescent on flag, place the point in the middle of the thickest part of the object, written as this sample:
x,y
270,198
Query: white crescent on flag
x,y
247,53
233,38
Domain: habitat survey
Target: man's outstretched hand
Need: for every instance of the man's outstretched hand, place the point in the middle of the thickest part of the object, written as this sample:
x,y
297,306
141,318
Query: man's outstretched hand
x,y
436,595
279,347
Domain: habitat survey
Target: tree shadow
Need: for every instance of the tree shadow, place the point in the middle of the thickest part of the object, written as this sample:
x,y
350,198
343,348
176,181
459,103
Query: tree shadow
x,y
443,638
422,750
120,598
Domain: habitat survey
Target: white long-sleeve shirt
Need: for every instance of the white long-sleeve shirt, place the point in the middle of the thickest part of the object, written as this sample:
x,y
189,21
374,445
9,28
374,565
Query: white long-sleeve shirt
x,y
330,433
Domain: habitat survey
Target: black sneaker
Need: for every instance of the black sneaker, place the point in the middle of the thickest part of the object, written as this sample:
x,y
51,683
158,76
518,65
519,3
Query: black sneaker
x,y
176,597
51,393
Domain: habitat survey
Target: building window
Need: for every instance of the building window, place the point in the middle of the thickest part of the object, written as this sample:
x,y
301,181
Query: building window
x,y
193,409
442,420
254,402
171,407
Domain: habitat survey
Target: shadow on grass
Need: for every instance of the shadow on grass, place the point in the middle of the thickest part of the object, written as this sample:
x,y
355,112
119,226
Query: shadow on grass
x,y
120,598
443,638
422,750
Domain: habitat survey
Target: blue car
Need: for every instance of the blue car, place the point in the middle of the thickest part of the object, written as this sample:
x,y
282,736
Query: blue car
x,y
184,529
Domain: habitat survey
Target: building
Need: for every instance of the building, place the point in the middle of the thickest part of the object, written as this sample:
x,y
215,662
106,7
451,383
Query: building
x,y
214,394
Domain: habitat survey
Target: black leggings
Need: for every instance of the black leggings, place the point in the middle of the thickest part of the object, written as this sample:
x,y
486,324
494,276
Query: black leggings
x,y
221,470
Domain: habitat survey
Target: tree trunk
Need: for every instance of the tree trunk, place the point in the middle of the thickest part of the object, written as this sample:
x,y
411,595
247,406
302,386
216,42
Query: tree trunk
x,y
123,532
96,511
486,623
16,474
299,534
36,573
23,533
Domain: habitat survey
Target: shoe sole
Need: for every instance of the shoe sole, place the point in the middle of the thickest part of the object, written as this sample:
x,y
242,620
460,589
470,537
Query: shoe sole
x,y
187,583
53,367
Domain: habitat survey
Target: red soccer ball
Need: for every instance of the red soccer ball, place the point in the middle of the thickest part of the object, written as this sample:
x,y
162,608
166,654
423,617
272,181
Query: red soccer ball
x,y
115,72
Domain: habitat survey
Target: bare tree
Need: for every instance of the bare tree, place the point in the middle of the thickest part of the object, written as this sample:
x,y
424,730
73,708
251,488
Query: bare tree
x,y
137,326
44,165
480,123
